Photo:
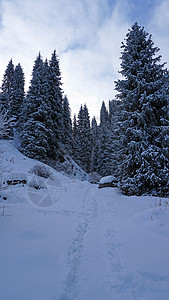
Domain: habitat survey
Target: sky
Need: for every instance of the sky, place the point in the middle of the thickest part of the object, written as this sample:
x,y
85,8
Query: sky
x,y
87,36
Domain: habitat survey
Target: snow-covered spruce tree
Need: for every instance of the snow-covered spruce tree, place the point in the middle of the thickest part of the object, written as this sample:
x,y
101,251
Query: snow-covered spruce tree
x,y
86,140
104,115
7,82
56,101
36,131
67,126
83,139
144,166
77,139
94,145
5,95
17,92
116,146
75,145
104,145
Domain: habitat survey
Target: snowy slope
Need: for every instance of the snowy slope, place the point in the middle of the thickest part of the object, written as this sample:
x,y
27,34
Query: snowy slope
x,y
91,244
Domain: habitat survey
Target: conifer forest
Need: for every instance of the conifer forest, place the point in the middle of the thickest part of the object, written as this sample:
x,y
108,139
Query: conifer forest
x,y
131,141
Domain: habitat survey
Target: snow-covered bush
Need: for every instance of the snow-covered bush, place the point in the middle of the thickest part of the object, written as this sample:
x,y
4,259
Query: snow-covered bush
x,y
94,177
41,170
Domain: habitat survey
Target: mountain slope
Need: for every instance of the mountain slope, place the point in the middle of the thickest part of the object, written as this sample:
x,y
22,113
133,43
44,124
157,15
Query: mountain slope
x,y
88,244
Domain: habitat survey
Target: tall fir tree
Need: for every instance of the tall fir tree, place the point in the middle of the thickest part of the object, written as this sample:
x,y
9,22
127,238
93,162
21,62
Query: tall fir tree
x,y
67,126
6,88
104,145
104,115
94,145
36,118
114,111
75,150
82,141
7,84
86,140
17,92
144,166
56,99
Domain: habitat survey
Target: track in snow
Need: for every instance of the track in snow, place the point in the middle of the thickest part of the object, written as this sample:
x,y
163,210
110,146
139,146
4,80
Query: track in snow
x,y
95,268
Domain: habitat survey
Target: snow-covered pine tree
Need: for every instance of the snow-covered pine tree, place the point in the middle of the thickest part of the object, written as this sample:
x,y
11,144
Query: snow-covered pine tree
x,y
5,95
104,115
78,137
56,100
75,150
17,93
74,128
7,82
35,132
83,139
94,145
67,125
104,145
116,146
144,123
86,140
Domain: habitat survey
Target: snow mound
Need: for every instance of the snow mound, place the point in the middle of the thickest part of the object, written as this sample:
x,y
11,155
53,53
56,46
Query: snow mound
x,y
107,179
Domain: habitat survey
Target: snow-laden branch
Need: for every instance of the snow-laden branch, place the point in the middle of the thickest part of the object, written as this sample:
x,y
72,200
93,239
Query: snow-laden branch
x,y
5,123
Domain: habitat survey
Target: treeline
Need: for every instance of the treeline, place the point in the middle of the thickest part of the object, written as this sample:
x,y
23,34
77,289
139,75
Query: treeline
x,y
131,140
42,119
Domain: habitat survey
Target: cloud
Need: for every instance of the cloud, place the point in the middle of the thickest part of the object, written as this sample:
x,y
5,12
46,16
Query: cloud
x,y
90,71
159,27
86,35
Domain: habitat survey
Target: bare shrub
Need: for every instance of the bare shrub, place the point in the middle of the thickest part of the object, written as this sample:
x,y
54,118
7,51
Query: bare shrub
x,y
41,170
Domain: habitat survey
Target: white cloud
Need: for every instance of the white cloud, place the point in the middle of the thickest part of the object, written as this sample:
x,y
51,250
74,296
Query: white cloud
x,y
86,35
159,27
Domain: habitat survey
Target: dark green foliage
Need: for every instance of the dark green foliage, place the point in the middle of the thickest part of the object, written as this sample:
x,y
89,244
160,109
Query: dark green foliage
x,y
67,126
12,95
55,98
82,139
94,145
35,132
17,92
143,125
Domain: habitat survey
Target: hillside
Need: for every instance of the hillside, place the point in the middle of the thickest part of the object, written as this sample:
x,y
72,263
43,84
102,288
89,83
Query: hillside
x,y
70,240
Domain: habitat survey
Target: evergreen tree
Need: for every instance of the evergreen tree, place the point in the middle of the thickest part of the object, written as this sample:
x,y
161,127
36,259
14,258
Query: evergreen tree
x,y
5,95
8,78
94,145
17,92
144,166
104,145
86,140
116,146
104,115
83,139
36,131
67,125
75,151
56,100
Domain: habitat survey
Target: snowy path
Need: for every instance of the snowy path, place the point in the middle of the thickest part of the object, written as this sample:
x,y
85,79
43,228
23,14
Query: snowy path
x,y
95,267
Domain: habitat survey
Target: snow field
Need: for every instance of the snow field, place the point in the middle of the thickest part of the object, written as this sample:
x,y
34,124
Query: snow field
x,y
91,244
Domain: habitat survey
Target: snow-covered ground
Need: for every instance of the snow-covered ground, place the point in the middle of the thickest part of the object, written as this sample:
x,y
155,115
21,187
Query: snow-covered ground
x,y
90,244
